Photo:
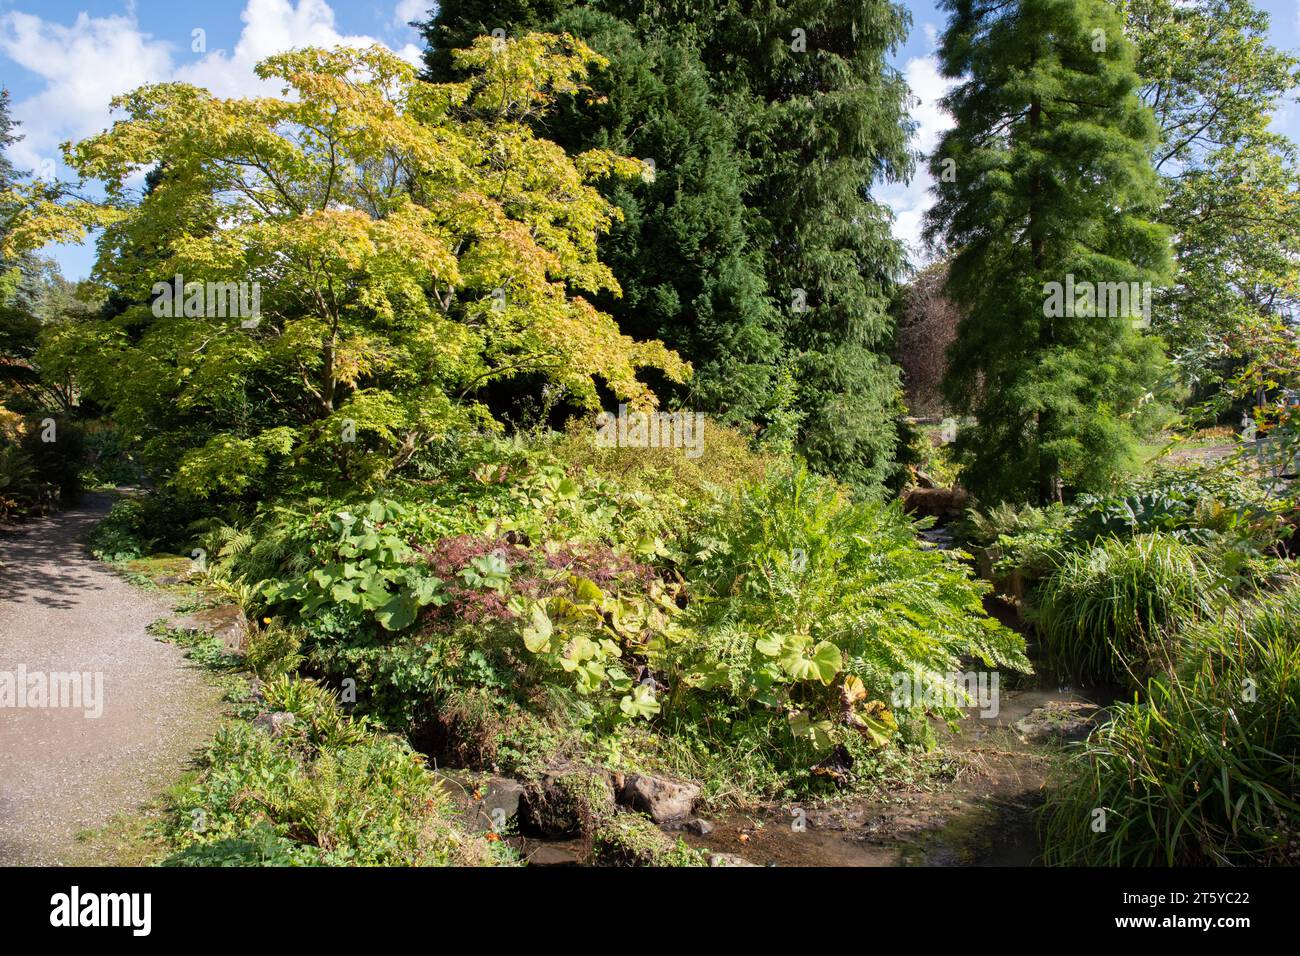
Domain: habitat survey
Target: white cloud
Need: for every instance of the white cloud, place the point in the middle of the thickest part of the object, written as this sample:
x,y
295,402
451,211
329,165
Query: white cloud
x,y
408,10
929,86
84,66
272,26
910,201
88,63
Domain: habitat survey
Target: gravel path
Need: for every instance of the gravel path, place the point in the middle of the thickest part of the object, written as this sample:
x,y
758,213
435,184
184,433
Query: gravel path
x,y
61,771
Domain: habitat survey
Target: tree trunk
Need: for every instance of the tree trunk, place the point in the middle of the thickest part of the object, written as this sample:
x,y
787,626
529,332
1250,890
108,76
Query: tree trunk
x,y
1048,489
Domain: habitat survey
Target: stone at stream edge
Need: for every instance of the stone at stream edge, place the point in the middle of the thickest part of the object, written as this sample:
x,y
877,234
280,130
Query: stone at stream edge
x,y
226,622
1059,720
660,798
556,805
550,855
728,859
486,804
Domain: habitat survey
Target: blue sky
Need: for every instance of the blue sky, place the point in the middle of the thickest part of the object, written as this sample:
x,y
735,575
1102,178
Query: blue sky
x,y
63,60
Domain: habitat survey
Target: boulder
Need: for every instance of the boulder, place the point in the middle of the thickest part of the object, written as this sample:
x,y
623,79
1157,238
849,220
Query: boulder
x,y
728,859
226,622
661,798
274,723
629,839
486,804
567,801
501,799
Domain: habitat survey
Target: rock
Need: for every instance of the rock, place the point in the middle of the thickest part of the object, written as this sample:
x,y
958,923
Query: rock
x,y
274,723
562,801
226,622
944,503
629,839
698,827
501,798
728,859
1059,720
485,804
549,855
661,798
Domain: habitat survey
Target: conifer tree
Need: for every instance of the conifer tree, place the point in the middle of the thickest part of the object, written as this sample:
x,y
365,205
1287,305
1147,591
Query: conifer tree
x,y
821,116
1046,191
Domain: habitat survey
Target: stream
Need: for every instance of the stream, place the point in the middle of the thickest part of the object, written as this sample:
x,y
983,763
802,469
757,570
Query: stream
x,y
985,816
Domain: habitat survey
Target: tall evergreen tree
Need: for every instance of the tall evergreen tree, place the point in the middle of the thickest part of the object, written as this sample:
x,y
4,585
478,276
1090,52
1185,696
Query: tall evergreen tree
x,y
822,116
1046,178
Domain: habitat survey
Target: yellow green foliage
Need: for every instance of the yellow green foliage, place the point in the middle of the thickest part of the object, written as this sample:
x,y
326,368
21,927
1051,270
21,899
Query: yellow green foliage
x,y
409,243
729,461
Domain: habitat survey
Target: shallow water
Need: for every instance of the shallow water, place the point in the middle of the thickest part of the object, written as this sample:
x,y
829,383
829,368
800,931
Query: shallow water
x,y
987,817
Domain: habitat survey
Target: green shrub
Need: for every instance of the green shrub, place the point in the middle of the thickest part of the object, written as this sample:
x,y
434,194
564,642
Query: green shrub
x,y
20,486
807,606
728,461
544,612
930,455
140,525
108,459
58,462
272,649
121,535
1206,768
260,845
1214,505
1109,613
329,791
364,563
1021,539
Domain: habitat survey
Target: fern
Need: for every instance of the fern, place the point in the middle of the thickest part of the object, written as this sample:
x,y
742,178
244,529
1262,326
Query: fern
x,y
795,555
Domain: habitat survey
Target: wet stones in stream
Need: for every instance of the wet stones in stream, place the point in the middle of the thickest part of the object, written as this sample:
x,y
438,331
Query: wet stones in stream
x,y
578,814
486,803
1063,720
